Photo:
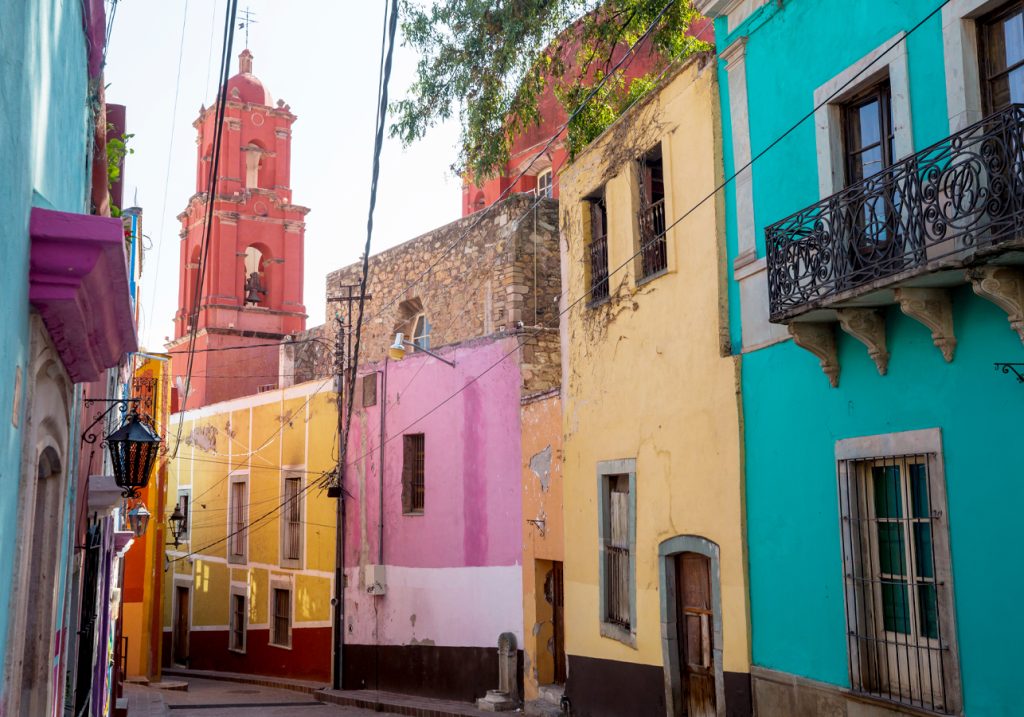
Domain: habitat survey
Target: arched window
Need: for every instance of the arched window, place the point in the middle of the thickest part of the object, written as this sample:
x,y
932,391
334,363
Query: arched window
x,y
255,280
421,331
545,184
191,303
253,163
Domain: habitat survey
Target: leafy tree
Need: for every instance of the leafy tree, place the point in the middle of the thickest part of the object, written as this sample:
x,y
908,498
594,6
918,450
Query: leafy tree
x,y
488,62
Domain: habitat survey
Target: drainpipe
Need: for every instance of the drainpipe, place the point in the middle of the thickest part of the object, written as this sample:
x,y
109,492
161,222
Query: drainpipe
x,y
380,464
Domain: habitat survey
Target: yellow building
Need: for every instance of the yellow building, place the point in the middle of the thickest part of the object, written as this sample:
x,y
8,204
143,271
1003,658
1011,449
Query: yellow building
x,y
249,589
141,590
655,566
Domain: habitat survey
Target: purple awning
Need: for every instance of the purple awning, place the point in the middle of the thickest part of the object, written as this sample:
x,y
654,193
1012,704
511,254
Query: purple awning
x,y
78,282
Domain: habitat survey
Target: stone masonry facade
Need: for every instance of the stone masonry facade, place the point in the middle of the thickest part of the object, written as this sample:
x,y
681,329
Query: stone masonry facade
x,y
478,276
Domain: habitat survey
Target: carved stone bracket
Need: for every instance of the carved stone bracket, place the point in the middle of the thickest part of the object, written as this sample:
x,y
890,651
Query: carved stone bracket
x,y
1003,286
820,339
933,308
868,327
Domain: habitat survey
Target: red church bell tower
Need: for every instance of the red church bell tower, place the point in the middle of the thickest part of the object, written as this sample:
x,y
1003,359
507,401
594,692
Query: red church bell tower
x,y
252,291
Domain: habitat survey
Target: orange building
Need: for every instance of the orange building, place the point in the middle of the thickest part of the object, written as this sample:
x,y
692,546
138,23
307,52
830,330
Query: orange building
x,y
252,291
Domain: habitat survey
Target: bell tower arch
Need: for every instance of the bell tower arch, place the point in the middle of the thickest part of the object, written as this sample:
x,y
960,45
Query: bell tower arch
x,y
251,292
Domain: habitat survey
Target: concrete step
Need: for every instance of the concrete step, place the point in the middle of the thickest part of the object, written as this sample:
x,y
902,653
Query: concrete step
x,y
172,685
542,708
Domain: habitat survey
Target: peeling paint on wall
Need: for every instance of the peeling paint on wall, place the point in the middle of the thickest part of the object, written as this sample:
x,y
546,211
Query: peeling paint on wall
x,y
540,464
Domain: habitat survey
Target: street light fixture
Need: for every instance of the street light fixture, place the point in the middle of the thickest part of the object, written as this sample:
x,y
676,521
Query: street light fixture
x,y
138,519
133,449
177,521
396,352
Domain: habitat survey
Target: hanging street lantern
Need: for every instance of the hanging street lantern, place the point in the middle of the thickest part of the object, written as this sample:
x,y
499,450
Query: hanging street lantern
x,y
138,519
177,521
133,451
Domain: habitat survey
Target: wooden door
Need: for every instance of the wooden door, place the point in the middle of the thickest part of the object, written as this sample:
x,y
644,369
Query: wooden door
x,y
696,639
558,610
181,625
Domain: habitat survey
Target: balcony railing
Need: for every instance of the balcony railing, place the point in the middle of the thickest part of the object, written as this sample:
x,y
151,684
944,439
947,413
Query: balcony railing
x,y
939,208
597,255
653,250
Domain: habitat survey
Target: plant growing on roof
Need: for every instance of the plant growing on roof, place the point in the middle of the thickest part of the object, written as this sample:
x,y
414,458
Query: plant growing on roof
x,y
490,62
117,150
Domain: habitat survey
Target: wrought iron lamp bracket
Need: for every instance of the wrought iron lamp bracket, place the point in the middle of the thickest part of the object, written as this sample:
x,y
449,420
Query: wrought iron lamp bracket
x,y
121,404
1017,369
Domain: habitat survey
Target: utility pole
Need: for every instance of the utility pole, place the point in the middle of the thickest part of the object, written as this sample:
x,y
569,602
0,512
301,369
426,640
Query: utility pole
x,y
345,378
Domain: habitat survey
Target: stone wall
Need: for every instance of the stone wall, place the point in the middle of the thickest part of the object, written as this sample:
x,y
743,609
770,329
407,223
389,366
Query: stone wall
x,y
495,274
306,356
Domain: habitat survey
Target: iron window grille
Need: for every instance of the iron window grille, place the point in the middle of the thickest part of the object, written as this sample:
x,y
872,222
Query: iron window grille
x,y
237,524
651,217
282,631
597,251
896,602
293,519
617,584
238,622
413,473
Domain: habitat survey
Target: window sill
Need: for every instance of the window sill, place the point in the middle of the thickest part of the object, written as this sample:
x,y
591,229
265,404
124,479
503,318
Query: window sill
x,y
618,633
280,647
598,302
236,650
901,707
237,560
651,277
413,513
291,564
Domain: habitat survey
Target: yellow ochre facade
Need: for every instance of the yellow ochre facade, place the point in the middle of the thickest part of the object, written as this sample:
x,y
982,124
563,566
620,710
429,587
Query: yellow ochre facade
x,y
655,560
255,600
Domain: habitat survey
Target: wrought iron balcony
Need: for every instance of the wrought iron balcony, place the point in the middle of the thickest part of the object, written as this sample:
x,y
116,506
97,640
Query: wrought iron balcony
x,y
943,208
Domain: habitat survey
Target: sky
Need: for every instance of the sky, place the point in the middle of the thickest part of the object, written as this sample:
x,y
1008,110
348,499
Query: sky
x,y
321,57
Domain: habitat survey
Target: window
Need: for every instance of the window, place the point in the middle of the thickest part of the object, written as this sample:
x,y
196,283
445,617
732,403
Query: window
x,y
238,622
867,133
281,627
255,280
617,485
1001,40
370,389
545,185
421,332
292,519
898,591
596,253
253,163
413,461
183,503
653,247
236,521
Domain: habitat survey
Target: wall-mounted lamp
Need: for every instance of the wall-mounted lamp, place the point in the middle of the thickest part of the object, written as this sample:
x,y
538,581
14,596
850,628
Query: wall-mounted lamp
x,y
396,352
138,519
177,522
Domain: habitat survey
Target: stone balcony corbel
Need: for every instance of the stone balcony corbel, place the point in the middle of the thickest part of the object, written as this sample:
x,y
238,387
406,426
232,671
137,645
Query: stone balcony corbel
x,y
868,327
1004,287
819,337
934,309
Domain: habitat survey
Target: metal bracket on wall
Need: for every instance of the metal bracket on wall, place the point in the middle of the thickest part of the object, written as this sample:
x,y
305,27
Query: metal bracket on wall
x,y
1017,369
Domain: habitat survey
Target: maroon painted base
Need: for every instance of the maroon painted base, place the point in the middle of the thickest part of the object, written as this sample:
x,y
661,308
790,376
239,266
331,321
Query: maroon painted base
x,y
308,659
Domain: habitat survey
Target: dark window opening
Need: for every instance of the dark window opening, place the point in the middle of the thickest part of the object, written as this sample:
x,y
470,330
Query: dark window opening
x,y
370,389
282,632
653,247
413,465
596,254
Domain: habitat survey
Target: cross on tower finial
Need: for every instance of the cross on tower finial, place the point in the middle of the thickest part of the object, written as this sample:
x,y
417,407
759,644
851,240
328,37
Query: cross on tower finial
x,y
247,20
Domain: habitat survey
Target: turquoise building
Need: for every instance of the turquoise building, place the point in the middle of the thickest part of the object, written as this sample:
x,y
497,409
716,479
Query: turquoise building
x,y
874,226
67,320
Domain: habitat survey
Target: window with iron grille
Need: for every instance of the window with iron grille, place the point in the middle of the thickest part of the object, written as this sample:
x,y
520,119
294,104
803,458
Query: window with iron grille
x,y
616,483
413,468
1001,42
236,523
596,254
238,622
281,627
370,389
183,503
653,247
898,592
292,523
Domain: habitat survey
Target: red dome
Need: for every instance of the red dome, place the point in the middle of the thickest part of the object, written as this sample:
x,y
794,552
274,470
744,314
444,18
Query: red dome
x,y
250,89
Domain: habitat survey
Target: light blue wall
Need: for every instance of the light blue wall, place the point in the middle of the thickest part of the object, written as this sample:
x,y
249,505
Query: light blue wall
x,y
45,141
793,418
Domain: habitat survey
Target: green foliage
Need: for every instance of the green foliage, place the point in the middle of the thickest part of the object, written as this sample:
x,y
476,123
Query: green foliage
x,y
489,62
117,150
